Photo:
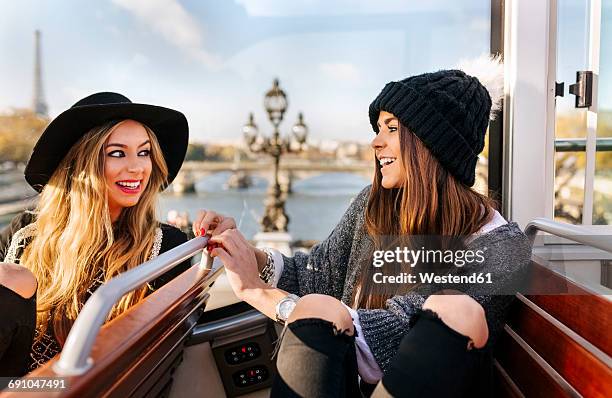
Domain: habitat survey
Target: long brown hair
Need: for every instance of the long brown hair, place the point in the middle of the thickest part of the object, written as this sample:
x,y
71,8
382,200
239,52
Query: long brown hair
x,y
76,242
429,202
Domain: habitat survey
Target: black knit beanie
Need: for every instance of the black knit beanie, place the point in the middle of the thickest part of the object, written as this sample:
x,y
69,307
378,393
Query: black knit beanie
x,y
448,110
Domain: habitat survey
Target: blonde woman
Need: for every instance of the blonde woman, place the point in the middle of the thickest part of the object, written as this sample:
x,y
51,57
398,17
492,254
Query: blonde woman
x,y
99,167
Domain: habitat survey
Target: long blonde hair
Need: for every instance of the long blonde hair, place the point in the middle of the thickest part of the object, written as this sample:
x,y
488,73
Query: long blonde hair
x,y
430,202
76,242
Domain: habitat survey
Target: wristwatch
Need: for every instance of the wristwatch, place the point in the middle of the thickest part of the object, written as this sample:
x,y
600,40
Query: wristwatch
x,y
285,307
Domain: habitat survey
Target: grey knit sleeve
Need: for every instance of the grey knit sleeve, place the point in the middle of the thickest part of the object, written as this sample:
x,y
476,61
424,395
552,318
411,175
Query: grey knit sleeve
x,y
383,329
323,270
508,259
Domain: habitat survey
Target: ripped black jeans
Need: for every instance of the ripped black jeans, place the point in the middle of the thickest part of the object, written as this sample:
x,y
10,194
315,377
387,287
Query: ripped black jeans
x,y
316,360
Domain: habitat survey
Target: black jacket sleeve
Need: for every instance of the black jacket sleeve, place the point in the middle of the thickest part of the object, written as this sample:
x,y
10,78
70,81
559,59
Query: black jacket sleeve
x,y
172,237
18,222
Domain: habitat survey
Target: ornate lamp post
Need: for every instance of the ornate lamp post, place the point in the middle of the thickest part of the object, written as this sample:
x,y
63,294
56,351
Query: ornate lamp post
x,y
275,102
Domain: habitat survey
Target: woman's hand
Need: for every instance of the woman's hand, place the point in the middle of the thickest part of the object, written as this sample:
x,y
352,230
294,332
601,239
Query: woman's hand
x,y
238,256
212,223
240,261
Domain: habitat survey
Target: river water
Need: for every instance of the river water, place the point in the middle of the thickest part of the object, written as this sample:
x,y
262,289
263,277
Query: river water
x,y
314,208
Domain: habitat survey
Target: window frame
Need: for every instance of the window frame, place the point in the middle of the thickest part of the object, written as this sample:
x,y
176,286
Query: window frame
x,y
530,55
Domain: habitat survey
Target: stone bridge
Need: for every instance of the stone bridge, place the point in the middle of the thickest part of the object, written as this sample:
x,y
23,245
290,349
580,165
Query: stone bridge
x,y
290,170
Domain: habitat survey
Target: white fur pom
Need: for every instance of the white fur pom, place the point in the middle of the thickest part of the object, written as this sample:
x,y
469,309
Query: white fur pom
x,y
489,70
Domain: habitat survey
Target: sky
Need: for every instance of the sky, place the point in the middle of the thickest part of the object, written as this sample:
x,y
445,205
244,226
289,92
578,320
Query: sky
x,y
215,59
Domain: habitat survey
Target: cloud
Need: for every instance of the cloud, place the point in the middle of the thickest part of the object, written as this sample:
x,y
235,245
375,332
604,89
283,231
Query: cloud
x,y
122,73
173,23
341,72
480,24
279,8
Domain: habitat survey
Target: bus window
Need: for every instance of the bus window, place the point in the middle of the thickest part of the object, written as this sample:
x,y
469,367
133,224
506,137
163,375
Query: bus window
x,y
583,143
602,199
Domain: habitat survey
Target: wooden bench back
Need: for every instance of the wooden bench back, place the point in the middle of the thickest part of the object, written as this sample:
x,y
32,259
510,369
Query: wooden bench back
x,y
556,345
552,344
135,354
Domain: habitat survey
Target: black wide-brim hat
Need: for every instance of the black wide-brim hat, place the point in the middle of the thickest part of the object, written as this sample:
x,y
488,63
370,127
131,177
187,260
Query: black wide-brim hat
x,y
170,128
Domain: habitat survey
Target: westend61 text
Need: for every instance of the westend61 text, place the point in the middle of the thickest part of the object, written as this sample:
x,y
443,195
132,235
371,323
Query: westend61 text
x,y
430,277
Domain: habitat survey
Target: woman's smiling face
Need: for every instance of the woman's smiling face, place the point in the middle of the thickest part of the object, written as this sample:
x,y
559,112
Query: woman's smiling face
x,y
387,149
127,165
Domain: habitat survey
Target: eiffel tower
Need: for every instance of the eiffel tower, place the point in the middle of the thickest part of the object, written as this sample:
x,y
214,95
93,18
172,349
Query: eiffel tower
x,y
39,105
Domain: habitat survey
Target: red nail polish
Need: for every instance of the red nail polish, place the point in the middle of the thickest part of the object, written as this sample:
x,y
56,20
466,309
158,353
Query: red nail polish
x,y
202,232
213,245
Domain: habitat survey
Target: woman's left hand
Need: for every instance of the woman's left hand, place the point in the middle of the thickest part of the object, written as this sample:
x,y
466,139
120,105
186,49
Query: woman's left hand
x,y
212,223
239,259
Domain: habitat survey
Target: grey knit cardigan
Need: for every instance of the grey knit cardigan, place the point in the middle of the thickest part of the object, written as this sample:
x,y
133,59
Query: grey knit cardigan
x,y
332,268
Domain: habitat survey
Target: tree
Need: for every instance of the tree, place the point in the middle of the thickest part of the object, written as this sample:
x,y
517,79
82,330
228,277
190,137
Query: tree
x,y
195,152
19,131
569,193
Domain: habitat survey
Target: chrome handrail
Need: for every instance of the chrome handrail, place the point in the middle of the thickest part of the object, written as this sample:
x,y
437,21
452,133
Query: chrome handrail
x,y
576,233
74,358
226,326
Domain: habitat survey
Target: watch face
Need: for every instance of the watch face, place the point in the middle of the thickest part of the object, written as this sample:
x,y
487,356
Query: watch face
x,y
285,308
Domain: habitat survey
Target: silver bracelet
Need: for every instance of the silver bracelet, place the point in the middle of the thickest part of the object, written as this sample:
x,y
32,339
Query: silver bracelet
x,y
267,272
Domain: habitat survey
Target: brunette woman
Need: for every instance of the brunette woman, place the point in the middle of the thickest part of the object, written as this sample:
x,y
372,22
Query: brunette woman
x,y
420,339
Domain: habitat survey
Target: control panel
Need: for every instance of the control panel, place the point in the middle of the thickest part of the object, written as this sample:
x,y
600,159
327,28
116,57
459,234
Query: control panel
x,y
249,376
245,360
242,353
